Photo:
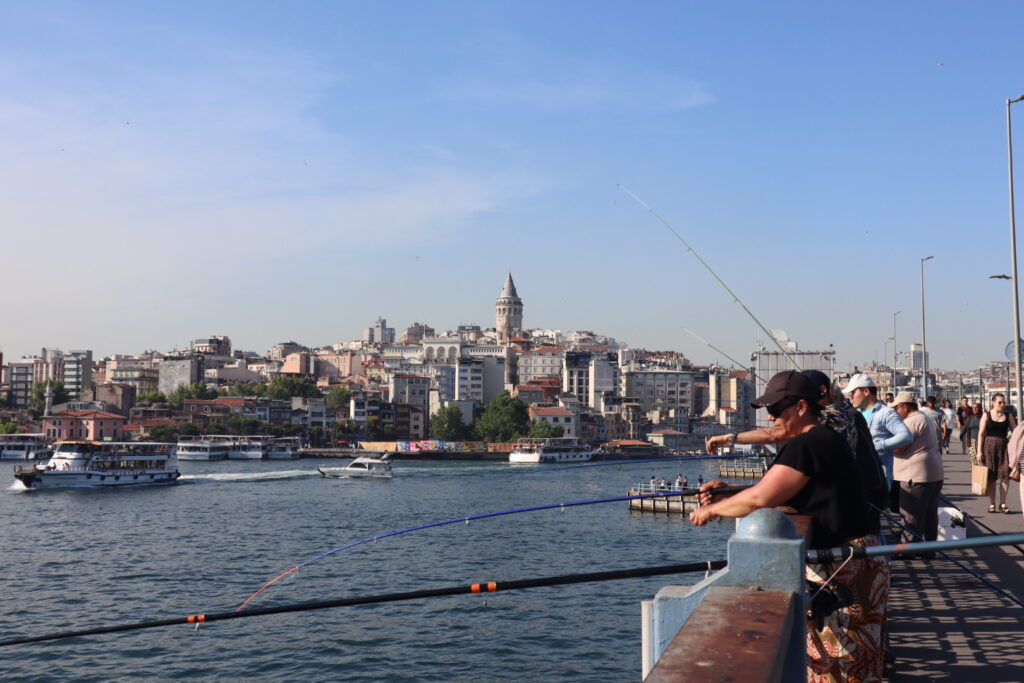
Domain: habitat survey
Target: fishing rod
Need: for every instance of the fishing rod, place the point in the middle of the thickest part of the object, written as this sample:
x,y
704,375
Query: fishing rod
x,y
487,515
704,263
732,456
724,354
473,589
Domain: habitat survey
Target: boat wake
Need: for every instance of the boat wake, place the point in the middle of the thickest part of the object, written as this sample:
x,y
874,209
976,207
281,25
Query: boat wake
x,y
245,476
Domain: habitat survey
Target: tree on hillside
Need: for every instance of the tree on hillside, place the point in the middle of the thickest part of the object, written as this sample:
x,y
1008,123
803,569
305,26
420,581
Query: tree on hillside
x,y
376,432
338,400
152,397
504,419
198,391
546,430
247,389
283,387
8,428
37,401
447,424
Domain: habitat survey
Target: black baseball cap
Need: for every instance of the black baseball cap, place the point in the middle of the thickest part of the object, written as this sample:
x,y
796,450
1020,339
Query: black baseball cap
x,y
819,379
787,384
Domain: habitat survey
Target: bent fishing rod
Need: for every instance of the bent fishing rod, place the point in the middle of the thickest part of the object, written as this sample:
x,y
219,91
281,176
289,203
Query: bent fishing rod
x,y
487,515
472,589
715,275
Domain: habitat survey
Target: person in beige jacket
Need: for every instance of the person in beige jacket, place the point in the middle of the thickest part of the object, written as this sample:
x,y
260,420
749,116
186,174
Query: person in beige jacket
x,y
917,467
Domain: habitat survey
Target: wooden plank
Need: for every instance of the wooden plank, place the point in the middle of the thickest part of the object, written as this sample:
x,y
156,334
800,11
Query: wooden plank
x,y
735,634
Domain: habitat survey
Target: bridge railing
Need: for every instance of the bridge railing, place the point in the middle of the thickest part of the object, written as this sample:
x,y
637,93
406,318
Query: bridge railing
x,y
745,622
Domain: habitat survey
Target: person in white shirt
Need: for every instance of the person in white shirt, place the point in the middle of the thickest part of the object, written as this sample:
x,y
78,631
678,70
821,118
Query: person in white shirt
x,y
950,422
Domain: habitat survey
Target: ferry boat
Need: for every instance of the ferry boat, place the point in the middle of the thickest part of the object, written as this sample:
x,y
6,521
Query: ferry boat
x,y
561,449
201,450
363,468
247,449
284,448
91,464
23,446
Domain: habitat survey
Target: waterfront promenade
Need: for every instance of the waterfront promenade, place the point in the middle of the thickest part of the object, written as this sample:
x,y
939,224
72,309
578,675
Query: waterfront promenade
x,y
946,625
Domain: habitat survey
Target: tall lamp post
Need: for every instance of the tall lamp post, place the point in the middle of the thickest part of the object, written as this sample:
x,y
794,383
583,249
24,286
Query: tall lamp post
x,y
1013,261
894,361
924,338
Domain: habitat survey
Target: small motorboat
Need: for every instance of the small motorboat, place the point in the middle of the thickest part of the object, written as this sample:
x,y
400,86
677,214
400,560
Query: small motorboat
x,y
364,468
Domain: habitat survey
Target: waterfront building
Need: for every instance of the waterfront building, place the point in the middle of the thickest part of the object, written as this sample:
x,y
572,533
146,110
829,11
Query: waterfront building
x,y
410,389
119,395
556,417
508,312
91,425
729,395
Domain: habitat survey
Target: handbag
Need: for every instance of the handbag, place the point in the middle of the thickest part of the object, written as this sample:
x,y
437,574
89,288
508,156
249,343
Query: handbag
x,y
979,480
1015,474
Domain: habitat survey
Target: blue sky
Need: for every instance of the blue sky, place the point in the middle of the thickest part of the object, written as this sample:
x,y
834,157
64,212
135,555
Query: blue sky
x,y
277,171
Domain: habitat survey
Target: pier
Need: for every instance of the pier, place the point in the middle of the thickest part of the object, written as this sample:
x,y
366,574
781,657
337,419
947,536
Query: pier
x,y
944,623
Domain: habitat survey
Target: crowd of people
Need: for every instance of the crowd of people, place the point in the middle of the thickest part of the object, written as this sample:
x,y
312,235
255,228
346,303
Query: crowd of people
x,y
844,456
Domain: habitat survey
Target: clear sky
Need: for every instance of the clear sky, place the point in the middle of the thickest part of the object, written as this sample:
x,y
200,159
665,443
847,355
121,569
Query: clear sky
x,y
275,171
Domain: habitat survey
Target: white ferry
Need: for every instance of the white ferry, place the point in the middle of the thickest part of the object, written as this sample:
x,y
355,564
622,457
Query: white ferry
x,y
244,448
23,446
363,468
201,450
284,448
562,449
88,464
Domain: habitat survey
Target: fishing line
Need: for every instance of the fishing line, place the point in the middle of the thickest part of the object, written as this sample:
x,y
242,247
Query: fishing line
x,y
909,549
682,492
725,354
704,263
473,589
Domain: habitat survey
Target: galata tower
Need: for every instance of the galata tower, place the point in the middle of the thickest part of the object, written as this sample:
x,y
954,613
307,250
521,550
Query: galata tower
x,y
508,311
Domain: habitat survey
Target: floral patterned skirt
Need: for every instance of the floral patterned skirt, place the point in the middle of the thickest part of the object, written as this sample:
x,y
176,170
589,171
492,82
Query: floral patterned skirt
x,y
850,645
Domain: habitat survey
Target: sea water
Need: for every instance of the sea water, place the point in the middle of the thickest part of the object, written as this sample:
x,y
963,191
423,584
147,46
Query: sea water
x,y
79,559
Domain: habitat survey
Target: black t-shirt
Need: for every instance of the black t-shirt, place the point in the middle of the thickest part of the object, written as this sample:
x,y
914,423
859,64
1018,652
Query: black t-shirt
x,y
833,497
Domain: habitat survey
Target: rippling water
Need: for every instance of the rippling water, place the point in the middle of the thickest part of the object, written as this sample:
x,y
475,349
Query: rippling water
x,y
80,559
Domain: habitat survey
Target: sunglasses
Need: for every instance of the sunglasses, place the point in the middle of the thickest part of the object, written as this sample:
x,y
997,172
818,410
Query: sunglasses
x,y
775,409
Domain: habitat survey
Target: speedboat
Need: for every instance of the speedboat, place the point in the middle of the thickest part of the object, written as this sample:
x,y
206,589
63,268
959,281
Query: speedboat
x,y
88,464
363,468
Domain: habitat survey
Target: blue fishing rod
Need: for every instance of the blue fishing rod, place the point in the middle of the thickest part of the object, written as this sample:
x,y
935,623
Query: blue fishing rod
x,y
487,515
681,458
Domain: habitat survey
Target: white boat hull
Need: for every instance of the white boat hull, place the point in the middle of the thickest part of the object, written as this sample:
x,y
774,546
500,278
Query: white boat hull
x,y
246,455
83,479
343,473
552,457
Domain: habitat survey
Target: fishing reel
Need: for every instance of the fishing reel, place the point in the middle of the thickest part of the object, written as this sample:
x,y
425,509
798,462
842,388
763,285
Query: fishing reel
x,y
826,598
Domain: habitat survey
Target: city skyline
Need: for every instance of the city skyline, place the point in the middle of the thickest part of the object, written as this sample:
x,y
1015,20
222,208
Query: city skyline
x,y
265,173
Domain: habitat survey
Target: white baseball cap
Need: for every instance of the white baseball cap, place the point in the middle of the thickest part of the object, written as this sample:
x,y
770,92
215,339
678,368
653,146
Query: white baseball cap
x,y
858,381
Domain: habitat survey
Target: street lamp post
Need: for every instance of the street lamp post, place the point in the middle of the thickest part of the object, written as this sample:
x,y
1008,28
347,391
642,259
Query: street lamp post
x,y
1013,261
924,338
894,361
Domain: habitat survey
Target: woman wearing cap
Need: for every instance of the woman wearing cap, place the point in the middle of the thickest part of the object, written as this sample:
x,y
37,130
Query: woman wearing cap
x,y
816,475
993,432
